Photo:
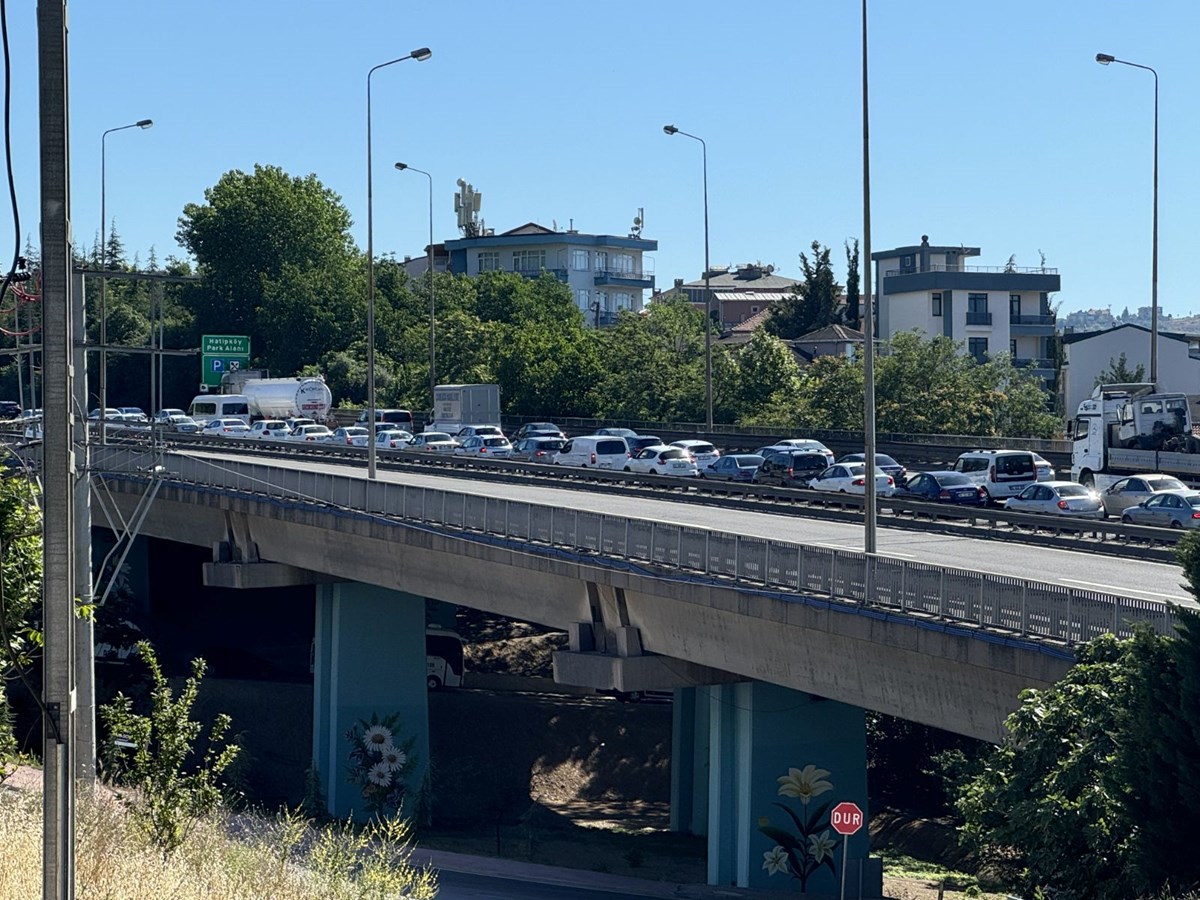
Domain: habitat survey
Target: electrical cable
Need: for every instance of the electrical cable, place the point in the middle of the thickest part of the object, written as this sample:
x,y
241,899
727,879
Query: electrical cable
x,y
12,186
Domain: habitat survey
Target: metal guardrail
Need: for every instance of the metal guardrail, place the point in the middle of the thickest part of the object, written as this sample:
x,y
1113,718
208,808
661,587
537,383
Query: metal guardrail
x,y
998,605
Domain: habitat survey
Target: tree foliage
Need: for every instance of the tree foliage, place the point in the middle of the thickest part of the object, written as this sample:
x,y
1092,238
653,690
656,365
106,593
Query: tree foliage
x,y
1090,793
814,303
20,594
1118,372
853,291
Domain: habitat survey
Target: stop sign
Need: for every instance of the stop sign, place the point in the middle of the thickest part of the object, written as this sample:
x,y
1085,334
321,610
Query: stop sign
x,y
846,818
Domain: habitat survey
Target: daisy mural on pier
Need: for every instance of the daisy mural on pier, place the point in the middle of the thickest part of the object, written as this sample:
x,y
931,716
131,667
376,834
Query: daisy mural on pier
x,y
380,762
812,845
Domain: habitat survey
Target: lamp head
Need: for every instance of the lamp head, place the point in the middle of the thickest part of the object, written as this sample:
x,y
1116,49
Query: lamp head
x,y
1105,58
421,54
669,129
401,166
144,123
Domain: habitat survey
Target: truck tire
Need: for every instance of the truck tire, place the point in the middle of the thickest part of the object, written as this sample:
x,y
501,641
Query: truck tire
x,y
1087,479
433,683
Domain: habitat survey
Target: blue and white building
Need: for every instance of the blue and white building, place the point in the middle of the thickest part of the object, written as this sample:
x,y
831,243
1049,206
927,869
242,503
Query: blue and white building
x,y
606,273
988,308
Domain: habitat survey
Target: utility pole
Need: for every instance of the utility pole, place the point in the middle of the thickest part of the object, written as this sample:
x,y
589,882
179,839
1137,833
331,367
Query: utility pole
x,y
58,462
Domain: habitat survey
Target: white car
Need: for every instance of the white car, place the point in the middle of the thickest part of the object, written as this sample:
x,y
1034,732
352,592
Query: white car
x,y
704,453
660,459
269,429
434,441
1058,498
310,433
485,446
182,423
851,478
164,415
393,439
296,421
351,436
226,427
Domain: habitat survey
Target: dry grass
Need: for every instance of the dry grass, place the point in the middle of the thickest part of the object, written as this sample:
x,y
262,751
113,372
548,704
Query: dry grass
x,y
115,861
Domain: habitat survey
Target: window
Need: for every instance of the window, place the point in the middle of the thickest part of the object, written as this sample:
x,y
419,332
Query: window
x,y
579,259
583,298
623,262
906,262
602,299
1012,349
977,303
1014,304
529,260
601,260
937,303
978,348
489,260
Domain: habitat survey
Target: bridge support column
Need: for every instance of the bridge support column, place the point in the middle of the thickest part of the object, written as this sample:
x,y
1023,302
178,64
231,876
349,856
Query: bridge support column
x,y
689,761
779,761
369,665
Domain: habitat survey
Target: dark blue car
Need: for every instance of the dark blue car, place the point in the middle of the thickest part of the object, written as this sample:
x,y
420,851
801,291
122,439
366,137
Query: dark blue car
x,y
942,487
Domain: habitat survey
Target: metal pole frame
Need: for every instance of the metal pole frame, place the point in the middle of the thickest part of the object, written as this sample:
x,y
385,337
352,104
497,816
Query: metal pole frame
x,y
1105,59
103,266
371,449
432,304
870,509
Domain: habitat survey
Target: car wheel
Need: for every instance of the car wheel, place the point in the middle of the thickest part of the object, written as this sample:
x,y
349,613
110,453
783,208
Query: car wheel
x,y
1125,520
627,469
433,682
1175,523
654,471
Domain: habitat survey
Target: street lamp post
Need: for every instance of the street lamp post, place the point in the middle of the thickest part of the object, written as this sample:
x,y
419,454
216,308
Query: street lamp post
x,y
870,512
1104,59
708,395
143,124
432,305
420,55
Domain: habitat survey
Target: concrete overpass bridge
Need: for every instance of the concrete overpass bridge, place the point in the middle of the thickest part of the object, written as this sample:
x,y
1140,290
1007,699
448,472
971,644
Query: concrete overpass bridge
x,y
775,646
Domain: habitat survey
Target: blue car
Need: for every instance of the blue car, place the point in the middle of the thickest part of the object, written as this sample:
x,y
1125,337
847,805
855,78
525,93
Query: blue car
x,y
943,487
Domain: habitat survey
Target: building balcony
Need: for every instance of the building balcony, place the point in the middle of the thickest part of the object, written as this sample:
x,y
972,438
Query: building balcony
x,y
560,274
1032,362
624,278
1007,279
979,318
1032,326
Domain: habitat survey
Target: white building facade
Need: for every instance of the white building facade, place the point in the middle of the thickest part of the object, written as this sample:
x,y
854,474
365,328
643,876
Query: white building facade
x,y
990,309
606,273
1089,353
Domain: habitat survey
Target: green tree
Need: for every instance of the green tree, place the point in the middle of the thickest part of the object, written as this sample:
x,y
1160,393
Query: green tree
x,y
765,367
655,364
812,304
853,293
177,782
1118,372
20,593
255,230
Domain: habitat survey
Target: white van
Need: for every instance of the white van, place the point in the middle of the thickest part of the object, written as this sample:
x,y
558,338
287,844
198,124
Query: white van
x,y
207,407
1002,473
594,451
443,658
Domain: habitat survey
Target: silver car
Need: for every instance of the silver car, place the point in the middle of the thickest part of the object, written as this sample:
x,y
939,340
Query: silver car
x,y
1057,498
1133,490
485,446
1166,509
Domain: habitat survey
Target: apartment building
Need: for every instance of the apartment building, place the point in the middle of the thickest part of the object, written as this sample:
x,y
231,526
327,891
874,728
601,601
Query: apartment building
x,y
738,294
606,273
988,308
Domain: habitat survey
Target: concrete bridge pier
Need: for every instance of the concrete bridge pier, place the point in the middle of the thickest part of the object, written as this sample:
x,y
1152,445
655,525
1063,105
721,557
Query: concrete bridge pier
x,y
369,667
758,768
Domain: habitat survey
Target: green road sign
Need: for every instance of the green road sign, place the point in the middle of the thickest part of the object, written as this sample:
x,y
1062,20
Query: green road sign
x,y
221,354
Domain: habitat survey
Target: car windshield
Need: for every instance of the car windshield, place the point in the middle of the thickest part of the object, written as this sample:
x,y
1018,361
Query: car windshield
x,y
1192,499
1073,490
1164,483
549,444
434,436
747,462
495,442
677,453
701,448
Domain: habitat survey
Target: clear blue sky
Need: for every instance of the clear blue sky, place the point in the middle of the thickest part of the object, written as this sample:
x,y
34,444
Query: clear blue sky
x,y
991,123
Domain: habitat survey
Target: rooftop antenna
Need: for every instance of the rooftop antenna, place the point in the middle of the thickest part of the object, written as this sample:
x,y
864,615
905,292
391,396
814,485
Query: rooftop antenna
x,y
466,206
638,221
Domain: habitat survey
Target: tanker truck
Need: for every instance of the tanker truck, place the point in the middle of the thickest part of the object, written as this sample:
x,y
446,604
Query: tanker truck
x,y
304,396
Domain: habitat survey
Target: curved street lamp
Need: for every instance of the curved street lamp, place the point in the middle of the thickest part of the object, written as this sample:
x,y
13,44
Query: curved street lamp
x,y
432,306
708,396
143,124
420,55
1104,59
